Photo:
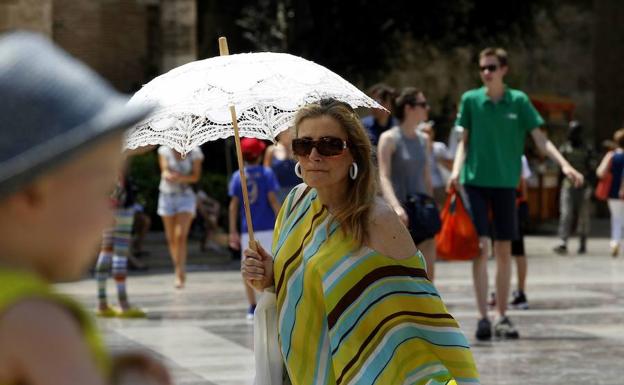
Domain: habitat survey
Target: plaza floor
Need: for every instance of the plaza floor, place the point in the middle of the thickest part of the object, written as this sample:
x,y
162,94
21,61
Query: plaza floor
x,y
573,332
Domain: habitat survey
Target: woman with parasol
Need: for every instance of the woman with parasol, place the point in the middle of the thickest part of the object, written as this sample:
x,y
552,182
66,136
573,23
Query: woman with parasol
x,y
354,304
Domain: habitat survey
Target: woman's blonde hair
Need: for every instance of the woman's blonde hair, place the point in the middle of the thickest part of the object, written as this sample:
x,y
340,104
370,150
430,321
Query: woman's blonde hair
x,y
354,216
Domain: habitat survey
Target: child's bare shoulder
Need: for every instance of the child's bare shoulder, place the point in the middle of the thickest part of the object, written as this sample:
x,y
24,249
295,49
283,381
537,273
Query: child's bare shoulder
x,y
38,337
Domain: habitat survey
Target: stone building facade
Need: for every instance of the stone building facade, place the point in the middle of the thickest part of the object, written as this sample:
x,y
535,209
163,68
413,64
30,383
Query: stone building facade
x,y
127,41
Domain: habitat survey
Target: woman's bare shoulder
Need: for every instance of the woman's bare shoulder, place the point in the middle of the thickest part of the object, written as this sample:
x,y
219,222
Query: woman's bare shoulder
x,y
387,234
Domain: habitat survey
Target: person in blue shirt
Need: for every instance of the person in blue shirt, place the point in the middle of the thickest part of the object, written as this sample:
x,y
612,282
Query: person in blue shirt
x,y
379,121
262,188
279,157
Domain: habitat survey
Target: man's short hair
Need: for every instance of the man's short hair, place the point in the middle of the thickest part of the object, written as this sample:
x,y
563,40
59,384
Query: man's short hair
x,y
382,91
500,54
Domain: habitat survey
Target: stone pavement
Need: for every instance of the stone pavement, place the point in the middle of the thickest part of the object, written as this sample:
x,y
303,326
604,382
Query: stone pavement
x,y
573,333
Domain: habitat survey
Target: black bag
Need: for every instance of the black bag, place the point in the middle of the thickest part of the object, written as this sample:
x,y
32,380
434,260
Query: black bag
x,y
424,217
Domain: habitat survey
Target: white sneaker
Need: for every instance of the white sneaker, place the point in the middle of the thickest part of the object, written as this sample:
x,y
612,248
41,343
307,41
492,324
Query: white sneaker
x,y
615,249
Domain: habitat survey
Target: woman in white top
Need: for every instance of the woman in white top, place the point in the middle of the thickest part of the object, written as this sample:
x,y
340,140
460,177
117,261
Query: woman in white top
x,y
177,202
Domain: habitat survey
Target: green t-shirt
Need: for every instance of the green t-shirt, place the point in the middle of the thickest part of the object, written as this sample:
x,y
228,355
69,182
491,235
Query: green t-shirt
x,y
496,134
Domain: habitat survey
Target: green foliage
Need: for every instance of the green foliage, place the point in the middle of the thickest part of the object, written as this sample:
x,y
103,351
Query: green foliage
x,y
361,39
215,185
145,173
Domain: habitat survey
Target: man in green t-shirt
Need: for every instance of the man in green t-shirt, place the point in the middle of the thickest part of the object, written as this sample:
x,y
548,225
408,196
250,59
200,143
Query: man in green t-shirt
x,y
496,120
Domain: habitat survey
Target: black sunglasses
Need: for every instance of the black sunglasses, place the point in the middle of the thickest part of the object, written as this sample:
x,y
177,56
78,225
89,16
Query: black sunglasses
x,y
420,104
489,67
326,146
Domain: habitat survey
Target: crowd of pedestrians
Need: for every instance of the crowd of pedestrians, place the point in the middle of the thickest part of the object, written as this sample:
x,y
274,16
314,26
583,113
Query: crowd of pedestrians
x,y
487,164
484,160
345,213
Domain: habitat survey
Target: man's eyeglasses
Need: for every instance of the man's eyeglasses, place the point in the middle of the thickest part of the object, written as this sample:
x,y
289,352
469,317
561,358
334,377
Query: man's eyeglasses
x,y
489,67
326,146
421,104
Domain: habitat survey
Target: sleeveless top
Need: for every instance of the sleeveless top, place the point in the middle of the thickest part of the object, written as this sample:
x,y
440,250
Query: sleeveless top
x,y
351,315
19,286
408,164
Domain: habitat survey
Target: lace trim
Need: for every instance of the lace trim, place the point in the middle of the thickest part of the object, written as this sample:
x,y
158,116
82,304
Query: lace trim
x,y
195,99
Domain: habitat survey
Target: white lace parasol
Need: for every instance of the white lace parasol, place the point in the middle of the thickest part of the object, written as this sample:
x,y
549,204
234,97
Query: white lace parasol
x,y
266,88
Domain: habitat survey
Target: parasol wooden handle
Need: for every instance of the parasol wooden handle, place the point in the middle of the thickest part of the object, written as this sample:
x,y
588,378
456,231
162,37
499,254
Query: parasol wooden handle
x,y
223,47
223,51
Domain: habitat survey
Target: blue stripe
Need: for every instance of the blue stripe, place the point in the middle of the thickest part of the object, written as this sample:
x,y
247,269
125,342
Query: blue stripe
x,y
340,262
377,365
422,367
430,376
337,340
290,197
373,294
302,208
296,291
319,358
287,326
293,221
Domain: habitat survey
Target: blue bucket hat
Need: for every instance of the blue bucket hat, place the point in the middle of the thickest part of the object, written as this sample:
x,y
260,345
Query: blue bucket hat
x,y
51,106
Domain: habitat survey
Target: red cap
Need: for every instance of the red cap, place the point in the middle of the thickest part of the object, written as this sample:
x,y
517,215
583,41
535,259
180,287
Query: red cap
x,y
252,148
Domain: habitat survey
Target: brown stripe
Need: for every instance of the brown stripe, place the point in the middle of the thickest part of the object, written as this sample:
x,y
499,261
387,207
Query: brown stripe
x,y
373,304
376,330
366,281
297,252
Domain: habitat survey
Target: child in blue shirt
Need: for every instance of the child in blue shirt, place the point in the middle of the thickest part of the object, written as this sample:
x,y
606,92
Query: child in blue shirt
x,y
262,189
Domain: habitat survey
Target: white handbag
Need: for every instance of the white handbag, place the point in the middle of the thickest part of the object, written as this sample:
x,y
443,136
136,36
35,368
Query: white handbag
x,y
267,353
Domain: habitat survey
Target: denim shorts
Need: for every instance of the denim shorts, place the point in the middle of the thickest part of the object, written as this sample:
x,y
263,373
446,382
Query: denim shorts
x,y
174,203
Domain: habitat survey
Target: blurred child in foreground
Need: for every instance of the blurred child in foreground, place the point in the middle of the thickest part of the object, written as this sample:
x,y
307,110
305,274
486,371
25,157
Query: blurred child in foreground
x,y
60,154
